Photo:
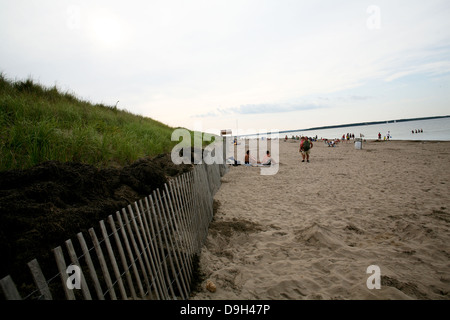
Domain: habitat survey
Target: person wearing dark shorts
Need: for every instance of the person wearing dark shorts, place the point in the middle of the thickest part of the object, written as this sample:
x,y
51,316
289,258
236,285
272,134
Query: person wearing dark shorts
x,y
305,148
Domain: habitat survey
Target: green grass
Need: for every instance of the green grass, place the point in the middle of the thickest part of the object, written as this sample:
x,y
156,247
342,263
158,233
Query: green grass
x,y
39,124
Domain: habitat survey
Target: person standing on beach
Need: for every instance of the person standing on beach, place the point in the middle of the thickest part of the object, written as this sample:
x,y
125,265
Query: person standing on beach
x,y
305,148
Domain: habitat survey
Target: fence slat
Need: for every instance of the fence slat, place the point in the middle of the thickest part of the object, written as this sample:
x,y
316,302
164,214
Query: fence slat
x,y
74,259
200,188
90,264
130,253
159,236
178,196
196,208
39,279
153,247
9,288
62,272
144,254
195,216
192,216
136,250
113,260
103,265
185,210
123,258
149,246
175,250
184,250
162,221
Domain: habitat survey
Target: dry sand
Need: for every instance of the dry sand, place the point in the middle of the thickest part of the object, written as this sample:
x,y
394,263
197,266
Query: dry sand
x,y
312,230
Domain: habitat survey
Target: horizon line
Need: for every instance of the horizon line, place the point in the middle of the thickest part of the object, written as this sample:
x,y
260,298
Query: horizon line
x,y
352,125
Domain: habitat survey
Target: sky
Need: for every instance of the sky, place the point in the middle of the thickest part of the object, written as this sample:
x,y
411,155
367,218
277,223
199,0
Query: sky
x,y
247,66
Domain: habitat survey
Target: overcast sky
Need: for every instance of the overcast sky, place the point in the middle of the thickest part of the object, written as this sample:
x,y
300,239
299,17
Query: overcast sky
x,y
252,65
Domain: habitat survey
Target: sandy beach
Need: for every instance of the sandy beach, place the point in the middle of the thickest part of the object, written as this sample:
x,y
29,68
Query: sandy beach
x,y
312,230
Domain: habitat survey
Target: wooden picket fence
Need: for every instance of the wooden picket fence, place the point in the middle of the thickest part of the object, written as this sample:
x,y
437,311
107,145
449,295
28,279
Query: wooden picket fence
x,y
145,251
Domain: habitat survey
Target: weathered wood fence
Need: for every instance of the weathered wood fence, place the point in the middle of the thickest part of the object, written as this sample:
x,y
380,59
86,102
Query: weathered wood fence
x,y
144,251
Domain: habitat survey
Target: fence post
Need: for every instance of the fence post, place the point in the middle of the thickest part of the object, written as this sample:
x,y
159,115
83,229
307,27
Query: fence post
x,y
9,288
182,207
62,272
103,265
39,279
130,253
144,254
122,256
136,250
196,209
113,260
179,256
153,247
187,210
140,215
163,220
156,214
182,249
74,259
92,272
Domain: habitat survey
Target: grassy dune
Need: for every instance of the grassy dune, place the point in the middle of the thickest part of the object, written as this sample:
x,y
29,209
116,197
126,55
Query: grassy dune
x,y
38,124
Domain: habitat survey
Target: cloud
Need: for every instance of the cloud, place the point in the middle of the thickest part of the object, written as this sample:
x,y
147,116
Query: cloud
x,y
263,108
273,108
206,115
433,69
359,98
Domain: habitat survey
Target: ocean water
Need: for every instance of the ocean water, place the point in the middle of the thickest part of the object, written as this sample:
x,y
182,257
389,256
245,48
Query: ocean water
x,y
433,129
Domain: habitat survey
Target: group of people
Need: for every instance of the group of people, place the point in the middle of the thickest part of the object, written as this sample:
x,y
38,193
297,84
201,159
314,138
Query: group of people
x,y
306,145
348,136
299,138
251,160
331,143
386,137
266,161
305,149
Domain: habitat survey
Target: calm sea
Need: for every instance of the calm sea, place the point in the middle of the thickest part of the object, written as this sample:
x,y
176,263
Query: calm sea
x,y
433,129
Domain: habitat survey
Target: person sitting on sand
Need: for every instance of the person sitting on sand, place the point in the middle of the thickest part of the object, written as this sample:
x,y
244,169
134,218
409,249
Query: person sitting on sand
x,y
267,161
250,159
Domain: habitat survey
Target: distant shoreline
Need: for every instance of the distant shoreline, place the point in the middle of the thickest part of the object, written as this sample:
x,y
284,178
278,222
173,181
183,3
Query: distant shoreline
x,y
365,123
352,125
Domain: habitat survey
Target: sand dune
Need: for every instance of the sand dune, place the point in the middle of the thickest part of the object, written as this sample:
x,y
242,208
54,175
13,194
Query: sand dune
x,y
312,230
